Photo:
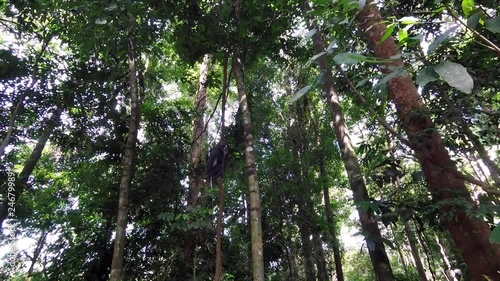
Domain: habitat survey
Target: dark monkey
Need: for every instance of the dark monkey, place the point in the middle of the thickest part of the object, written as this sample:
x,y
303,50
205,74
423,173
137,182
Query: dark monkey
x,y
215,162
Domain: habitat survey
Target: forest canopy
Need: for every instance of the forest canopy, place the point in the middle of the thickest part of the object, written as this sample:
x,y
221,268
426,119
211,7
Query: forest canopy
x,y
249,140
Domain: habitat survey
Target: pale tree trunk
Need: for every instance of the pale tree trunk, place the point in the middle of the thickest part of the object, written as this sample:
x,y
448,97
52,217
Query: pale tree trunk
x,y
126,178
32,160
376,249
470,234
197,171
414,249
253,184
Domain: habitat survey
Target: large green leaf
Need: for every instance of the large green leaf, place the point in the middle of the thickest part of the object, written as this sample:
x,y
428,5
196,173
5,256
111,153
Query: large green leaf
x,y
455,75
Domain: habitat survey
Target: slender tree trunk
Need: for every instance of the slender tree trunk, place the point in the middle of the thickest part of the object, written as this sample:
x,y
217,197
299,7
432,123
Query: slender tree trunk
x,y
36,254
30,164
199,135
253,184
319,255
330,217
369,225
471,234
414,249
218,245
126,178
197,171
307,249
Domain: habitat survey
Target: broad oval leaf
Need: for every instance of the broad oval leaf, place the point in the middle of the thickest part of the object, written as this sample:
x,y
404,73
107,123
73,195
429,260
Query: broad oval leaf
x,y
300,93
426,75
455,75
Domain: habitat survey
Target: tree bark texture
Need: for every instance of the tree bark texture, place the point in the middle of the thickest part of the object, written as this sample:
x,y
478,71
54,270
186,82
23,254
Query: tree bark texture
x,y
253,184
470,234
126,178
369,225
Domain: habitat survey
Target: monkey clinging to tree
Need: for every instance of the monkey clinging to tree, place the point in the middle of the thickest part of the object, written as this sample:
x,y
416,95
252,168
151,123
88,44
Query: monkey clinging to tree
x,y
215,162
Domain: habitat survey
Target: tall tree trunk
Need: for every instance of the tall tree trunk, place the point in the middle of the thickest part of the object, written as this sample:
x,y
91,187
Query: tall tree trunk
x,y
197,171
30,164
307,249
414,249
126,178
199,135
369,225
470,234
330,218
36,254
253,184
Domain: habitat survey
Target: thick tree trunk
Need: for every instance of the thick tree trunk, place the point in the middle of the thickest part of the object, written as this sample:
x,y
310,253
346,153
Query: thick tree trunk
x,y
369,225
126,178
469,233
31,162
253,184
218,244
414,249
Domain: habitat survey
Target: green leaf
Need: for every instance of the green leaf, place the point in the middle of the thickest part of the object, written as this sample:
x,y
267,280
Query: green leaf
x,y
300,93
455,75
409,20
316,56
493,24
495,234
467,7
473,20
348,58
388,32
426,75
385,79
440,39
